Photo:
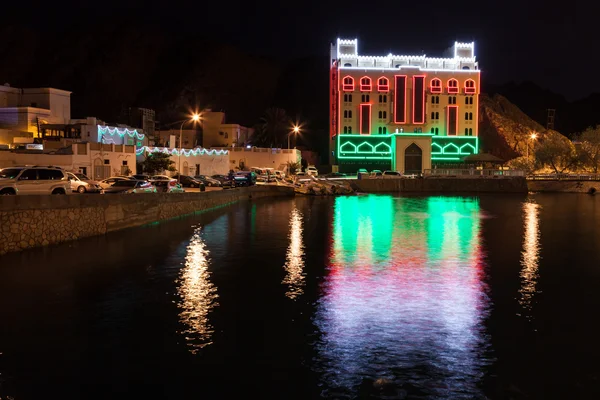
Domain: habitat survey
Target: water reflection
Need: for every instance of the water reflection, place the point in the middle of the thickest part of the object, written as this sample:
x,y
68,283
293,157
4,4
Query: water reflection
x,y
294,265
408,300
198,294
530,257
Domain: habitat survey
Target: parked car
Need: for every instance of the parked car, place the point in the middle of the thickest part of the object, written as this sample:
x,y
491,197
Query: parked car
x,y
34,180
141,177
279,174
207,180
312,170
110,181
336,175
376,173
160,178
170,186
188,181
225,181
300,173
391,175
244,178
131,186
82,184
361,172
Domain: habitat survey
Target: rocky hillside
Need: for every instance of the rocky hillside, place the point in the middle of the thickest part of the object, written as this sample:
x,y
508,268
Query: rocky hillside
x,y
503,128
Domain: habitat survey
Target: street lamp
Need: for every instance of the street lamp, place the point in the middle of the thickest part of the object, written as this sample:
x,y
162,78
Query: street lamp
x,y
295,131
533,136
195,118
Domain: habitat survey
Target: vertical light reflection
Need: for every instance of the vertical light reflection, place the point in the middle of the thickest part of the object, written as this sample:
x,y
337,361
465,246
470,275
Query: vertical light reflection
x,y
198,295
294,265
530,255
419,315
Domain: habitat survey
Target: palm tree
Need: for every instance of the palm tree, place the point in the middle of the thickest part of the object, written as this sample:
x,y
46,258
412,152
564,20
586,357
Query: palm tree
x,y
276,125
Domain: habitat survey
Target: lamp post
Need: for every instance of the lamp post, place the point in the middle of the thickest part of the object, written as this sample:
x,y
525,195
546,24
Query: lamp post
x,y
295,131
533,136
195,118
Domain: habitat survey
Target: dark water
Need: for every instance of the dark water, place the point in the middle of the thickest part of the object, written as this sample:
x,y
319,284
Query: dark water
x,y
353,297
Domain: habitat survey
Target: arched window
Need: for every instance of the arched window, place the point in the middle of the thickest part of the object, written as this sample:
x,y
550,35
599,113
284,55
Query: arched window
x,y
347,65
466,131
466,116
452,86
345,129
470,86
365,98
432,115
379,130
380,116
470,116
348,84
470,131
365,84
384,130
383,84
349,113
436,86
466,67
437,115
349,129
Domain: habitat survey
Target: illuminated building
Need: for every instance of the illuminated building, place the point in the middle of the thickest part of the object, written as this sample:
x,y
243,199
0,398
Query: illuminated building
x,y
402,112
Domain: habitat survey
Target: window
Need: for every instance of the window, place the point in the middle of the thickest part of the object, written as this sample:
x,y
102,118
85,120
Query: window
x,y
466,131
452,86
432,115
435,115
347,113
365,84
436,86
383,98
452,100
383,84
345,129
349,129
466,116
347,98
469,100
470,131
365,98
50,174
470,116
28,175
348,84
347,65
384,129
379,130
470,86
124,162
106,162
382,114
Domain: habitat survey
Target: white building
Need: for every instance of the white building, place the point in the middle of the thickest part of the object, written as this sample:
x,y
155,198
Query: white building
x,y
98,161
23,111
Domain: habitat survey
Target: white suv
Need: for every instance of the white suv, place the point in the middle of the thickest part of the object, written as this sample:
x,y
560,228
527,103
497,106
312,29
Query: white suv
x,y
33,180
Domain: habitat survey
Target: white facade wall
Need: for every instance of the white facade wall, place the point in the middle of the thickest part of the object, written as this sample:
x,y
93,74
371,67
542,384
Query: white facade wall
x,y
200,164
262,157
95,161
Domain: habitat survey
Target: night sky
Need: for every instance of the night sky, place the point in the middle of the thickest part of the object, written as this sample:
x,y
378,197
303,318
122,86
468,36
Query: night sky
x,y
515,40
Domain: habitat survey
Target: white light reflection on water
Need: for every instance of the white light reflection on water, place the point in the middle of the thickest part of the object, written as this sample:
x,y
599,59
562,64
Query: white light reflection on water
x,y
198,295
413,319
530,257
294,265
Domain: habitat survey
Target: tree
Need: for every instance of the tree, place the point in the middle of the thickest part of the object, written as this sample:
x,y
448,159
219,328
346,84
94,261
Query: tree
x,y
292,167
589,152
526,164
157,162
272,129
556,151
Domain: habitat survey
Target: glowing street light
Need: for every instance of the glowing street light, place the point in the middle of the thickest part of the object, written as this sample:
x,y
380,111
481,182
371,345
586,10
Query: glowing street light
x,y
533,136
194,118
295,131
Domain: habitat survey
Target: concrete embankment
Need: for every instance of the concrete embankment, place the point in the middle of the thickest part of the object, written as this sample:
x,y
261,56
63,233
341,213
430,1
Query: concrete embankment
x,y
442,185
564,186
32,221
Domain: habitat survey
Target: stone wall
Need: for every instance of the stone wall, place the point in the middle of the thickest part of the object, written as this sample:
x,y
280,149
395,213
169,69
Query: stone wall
x,y
32,221
443,185
591,187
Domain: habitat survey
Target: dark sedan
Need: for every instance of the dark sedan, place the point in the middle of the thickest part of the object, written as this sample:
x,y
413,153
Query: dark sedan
x,y
225,181
188,181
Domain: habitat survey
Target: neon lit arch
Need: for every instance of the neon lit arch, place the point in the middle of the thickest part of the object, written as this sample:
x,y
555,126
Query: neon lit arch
x,y
365,84
383,84
348,84
470,86
370,150
452,85
435,86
